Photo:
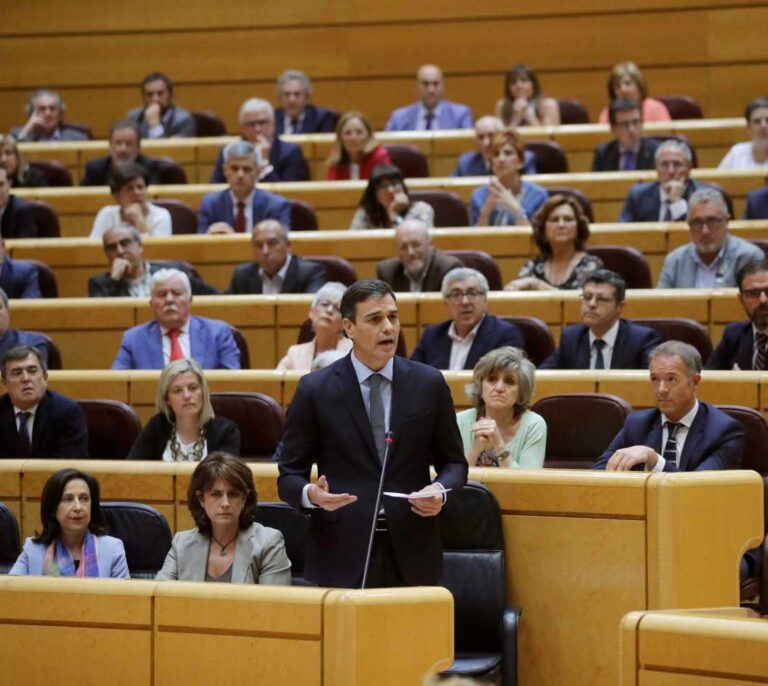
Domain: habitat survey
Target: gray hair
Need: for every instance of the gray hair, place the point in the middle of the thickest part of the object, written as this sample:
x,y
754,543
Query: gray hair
x,y
294,75
135,233
325,358
162,275
508,360
463,274
256,105
333,291
240,149
169,373
30,106
686,352
676,145
4,298
705,195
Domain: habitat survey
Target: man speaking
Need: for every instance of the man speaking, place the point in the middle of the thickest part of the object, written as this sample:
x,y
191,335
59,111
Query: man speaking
x,y
339,418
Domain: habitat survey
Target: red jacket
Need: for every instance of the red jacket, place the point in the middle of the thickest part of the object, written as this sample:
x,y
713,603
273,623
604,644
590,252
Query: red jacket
x,y
379,155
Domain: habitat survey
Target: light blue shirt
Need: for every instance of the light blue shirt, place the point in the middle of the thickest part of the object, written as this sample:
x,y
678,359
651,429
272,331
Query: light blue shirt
x,y
709,275
363,373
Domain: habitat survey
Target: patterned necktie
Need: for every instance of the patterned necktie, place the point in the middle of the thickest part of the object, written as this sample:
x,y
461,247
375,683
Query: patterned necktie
x,y
627,161
760,343
377,413
23,446
294,125
176,352
429,117
667,216
599,359
240,218
670,448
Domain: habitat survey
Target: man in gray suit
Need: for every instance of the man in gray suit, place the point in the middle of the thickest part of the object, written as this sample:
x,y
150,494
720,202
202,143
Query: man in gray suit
x,y
713,257
275,269
160,118
418,267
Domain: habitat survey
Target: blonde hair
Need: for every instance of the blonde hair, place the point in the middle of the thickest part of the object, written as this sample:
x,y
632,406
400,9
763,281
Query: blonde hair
x,y
171,371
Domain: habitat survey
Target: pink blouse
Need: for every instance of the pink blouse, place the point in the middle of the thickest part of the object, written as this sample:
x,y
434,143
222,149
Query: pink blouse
x,y
653,110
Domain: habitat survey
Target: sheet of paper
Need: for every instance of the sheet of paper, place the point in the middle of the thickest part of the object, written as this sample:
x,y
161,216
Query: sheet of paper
x,y
393,494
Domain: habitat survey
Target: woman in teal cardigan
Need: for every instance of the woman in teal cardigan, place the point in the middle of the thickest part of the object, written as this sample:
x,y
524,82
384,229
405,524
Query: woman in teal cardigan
x,y
500,430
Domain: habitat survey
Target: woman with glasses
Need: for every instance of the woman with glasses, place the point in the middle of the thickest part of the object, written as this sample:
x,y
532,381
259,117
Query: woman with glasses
x,y
325,316
507,200
386,204
356,152
560,230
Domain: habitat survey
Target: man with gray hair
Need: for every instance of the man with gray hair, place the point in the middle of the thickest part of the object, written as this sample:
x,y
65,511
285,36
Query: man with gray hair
x,y
666,199
174,333
46,111
10,338
240,207
276,160
682,434
470,332
296,113
713,257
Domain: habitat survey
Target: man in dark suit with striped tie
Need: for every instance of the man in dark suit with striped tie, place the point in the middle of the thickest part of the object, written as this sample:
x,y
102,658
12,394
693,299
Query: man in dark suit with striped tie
x,y
683,434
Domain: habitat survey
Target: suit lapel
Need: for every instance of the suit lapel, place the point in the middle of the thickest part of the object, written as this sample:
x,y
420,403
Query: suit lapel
x,y
198,557
241,562
618,358
155,349
693,439
654,436
40,426
353,399
582,350
197,347
401,396
291,276
745,351
479,344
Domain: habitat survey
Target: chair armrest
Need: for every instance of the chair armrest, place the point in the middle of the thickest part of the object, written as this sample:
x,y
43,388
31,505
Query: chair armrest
x,y
509,621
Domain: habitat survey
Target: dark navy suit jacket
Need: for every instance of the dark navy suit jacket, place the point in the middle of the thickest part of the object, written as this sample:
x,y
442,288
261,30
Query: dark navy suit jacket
x,y
607,156
434,346
643,203
18,219
316,120
217,207
97,171
735,347
714,441
473,164
18,278
757,204
287,160
633,345
14,337
303,276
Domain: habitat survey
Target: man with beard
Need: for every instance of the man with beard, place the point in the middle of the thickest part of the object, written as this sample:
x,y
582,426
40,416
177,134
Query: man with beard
x,y
160,118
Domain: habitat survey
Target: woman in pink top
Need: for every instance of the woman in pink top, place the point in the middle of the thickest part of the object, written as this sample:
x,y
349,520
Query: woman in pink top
x,y
627,81
356,151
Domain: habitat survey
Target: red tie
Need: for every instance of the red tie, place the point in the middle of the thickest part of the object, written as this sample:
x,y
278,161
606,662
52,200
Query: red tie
x,y
176,353
240,218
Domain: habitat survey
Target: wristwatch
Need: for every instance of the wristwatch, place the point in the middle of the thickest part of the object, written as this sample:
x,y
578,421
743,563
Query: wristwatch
x,y
504,454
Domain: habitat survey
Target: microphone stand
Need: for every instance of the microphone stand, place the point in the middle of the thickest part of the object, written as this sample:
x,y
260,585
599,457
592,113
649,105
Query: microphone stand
x,y
388,439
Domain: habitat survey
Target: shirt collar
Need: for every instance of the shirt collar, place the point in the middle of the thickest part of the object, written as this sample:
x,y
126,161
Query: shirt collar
x,y
184,328
609,337
363,372
458,339
248,202
435,112
714,265
687,420
32,410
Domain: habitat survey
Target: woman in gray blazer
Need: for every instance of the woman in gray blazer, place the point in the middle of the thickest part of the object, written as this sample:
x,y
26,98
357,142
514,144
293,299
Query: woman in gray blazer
x,y
227,545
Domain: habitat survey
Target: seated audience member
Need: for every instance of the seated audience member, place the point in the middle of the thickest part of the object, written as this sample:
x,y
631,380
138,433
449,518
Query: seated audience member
x,y
276,160
743,345
500,430
73,540
356,152
240,207
159,117
12,338
603,340
682,434
507,200
296,113
666,199
17,279
130,275
321,361
227,545
478,163
274,269
713,257
470,332
36,422
560,230
184,428
17,217
20,173
128,184
46,111
386,204
627,81
757,204
432,112
174,333
628,150
124,146
752,154
523,104
325,316
418,267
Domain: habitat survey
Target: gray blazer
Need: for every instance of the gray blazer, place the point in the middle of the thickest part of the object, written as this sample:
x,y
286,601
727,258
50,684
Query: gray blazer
x,y
680,267
259,557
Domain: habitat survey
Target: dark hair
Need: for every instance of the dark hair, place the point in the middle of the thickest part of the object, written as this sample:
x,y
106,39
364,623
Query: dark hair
x,y
755,104
612,279
126,172
619,105
157,76
51,497
512,75
539,222
19,353
221,465
377,213
751,268
125,124
360,291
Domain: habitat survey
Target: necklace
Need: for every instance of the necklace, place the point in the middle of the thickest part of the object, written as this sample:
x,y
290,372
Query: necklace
x,y
223,547
194,455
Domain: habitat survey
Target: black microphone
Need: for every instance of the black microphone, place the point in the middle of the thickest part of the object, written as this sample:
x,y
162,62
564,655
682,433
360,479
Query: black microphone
x,y
389,438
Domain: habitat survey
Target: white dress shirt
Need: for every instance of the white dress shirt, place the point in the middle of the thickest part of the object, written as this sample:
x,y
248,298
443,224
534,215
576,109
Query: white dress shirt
x,y
610,343
677,208
460,346
709,275
273,285
421,119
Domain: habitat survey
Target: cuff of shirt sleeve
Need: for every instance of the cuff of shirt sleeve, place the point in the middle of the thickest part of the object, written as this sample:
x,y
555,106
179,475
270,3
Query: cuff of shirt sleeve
x,y
156,131
305,502
444,492
660,462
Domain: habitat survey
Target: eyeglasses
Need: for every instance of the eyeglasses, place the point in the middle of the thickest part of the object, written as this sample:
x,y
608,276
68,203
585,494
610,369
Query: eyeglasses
x,y
122,243
714,222
458,296
755,293
599,299
327,304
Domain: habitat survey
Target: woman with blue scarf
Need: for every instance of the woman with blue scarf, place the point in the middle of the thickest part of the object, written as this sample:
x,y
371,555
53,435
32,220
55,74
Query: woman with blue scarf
x,y
72,542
